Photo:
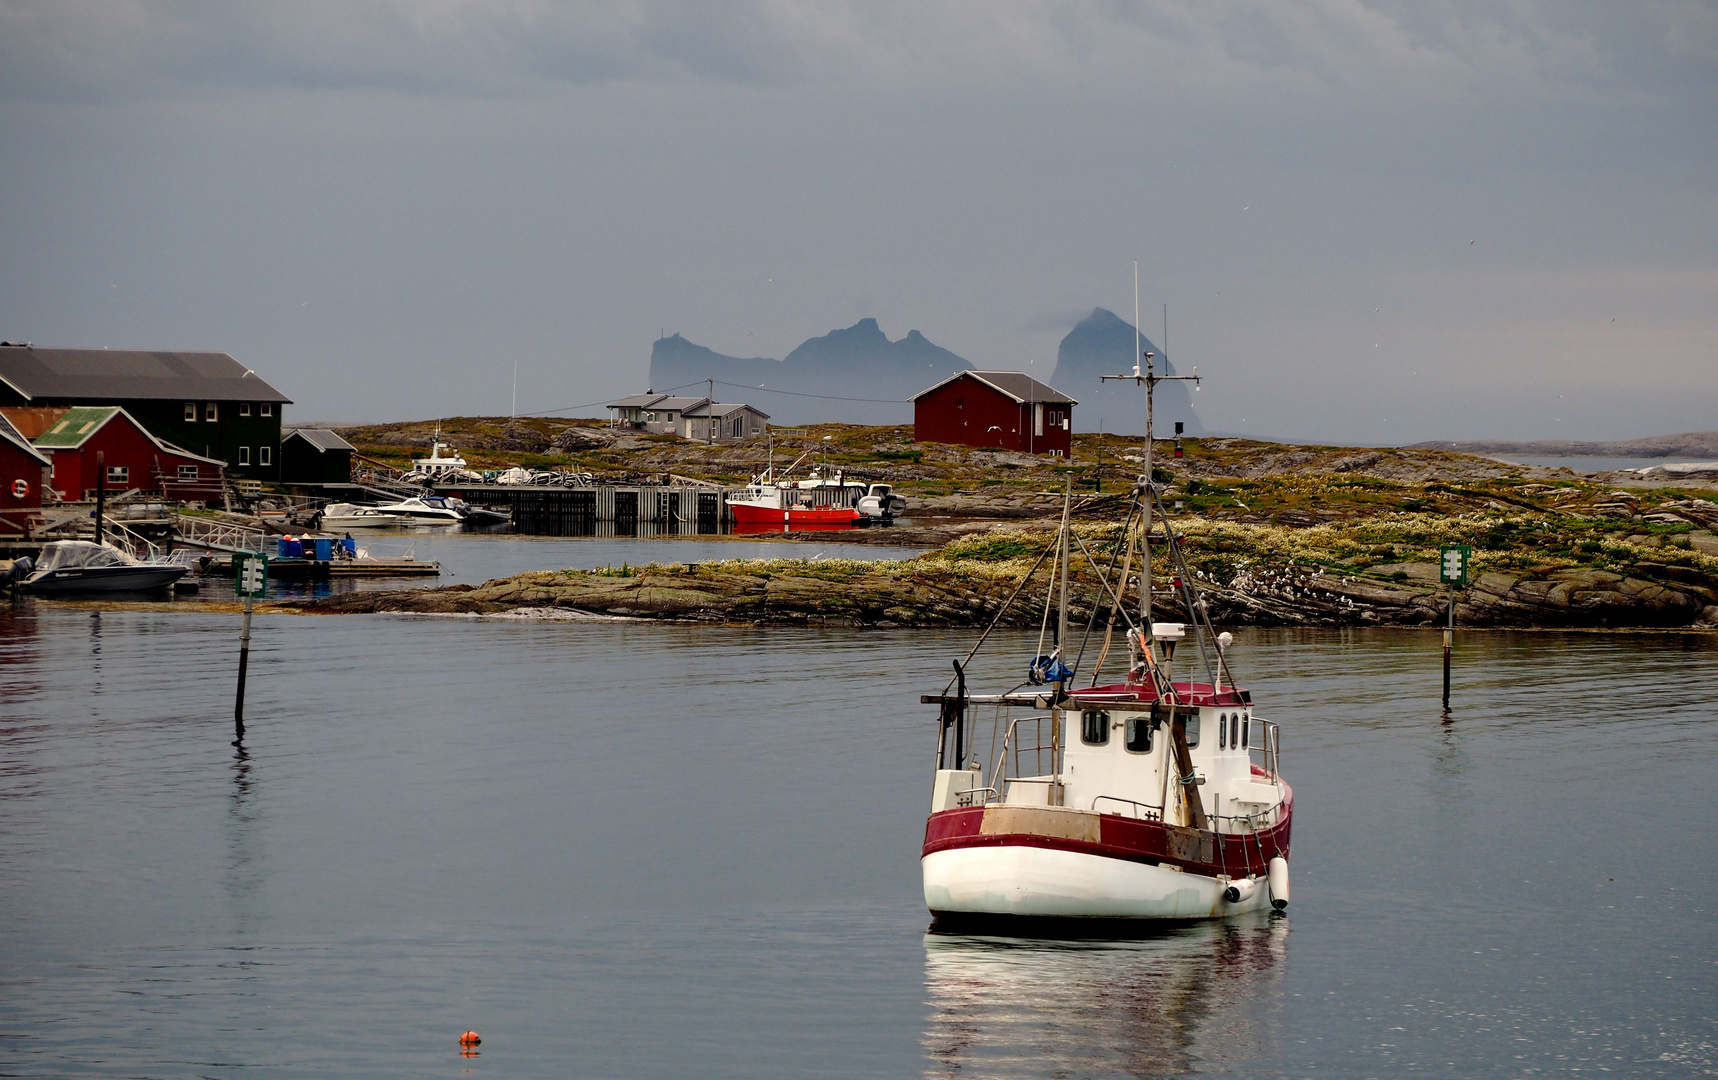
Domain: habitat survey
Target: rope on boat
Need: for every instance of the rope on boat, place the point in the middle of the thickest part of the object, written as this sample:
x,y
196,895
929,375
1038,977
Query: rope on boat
x,y
1003,610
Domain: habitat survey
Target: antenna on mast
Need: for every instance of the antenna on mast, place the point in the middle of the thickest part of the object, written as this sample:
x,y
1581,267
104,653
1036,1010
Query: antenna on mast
x,y
1136,345
1147,485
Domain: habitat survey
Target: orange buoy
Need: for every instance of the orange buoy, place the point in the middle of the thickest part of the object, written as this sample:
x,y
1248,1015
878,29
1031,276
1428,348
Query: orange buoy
x,y
470,1038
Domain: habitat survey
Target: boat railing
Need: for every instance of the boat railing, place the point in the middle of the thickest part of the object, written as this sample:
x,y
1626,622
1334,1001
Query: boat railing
x,y
1143,811
1015,747
1265,751
1263,820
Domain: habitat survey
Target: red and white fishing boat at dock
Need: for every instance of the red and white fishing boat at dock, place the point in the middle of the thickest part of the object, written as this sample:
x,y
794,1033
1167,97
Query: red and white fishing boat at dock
x,y
1145,799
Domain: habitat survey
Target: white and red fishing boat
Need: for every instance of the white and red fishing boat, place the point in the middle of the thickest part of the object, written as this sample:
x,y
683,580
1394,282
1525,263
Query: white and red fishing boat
x,y
1157,796
812,500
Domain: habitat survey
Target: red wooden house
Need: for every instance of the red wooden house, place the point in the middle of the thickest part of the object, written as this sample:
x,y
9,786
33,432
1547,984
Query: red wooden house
x,y
1005,409
23,471
131,457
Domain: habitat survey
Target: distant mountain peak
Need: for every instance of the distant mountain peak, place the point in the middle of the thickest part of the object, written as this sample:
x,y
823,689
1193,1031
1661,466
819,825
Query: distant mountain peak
x,y
857,361
1102,344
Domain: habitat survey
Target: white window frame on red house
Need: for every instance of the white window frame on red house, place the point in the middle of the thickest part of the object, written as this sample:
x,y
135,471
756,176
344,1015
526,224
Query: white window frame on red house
x,y
187,472
119,474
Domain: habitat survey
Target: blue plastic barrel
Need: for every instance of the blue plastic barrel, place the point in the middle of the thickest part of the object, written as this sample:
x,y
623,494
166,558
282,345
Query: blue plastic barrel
x,y
324,548
351,546
282,549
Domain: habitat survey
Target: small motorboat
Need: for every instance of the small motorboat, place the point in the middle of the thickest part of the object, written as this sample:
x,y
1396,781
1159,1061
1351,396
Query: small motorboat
x,y
79,566
427,510
339,517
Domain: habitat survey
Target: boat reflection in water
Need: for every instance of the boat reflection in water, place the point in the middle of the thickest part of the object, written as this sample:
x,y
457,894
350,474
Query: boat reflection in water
x,y
1202,996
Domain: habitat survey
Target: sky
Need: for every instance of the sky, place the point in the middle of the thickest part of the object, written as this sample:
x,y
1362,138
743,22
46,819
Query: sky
x,y
1371,223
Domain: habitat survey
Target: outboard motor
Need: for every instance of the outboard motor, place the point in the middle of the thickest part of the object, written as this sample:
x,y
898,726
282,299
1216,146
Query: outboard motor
x,y
21,569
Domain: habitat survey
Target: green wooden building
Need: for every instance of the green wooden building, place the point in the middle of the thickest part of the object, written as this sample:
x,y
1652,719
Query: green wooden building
x,y
206,402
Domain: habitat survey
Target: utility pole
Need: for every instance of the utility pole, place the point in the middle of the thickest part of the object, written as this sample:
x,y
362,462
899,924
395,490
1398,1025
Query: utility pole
x,y
710,409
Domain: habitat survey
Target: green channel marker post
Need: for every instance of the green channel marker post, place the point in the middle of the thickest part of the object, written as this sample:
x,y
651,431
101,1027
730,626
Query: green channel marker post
x,y
250,580
1453,563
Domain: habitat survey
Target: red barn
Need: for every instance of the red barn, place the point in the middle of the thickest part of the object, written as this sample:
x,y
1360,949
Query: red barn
x,y
23,471
1006,409
131,456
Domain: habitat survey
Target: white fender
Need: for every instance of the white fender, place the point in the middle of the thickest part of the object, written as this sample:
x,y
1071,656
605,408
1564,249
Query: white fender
x,y
1279,883
1241,890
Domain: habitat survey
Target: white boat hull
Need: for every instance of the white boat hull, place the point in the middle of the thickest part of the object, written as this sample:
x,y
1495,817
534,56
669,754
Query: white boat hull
x,y
1039,882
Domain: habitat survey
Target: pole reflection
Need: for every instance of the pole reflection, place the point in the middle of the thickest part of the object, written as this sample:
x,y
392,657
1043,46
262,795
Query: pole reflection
x,y
1195,997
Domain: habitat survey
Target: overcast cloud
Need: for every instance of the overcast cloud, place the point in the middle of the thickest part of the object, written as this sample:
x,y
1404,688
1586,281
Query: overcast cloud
x,y
1371,222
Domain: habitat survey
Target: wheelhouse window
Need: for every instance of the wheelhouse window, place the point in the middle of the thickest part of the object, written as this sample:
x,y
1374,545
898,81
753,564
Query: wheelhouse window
x,y
190,412
244,408
1245,723
1192,725
211,412
244,455
1222,730
187,472
1095,728
265,455
119,474
1139,729
1235,730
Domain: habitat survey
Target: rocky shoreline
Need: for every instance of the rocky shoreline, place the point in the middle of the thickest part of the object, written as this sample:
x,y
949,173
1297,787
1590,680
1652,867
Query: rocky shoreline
x,y
937,592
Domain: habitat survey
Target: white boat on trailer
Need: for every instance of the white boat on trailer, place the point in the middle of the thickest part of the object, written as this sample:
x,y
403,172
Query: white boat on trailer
x,y
1120,805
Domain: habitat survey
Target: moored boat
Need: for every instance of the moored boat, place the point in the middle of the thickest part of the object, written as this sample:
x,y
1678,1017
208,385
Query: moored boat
x,y
1134,801
428,510
340,517
81,566
811,501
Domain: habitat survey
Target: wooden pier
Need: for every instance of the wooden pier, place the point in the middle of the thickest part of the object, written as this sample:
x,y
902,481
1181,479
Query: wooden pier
x,y
585,511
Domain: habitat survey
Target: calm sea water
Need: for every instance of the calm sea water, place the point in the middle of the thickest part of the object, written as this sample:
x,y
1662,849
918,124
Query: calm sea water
x,y
1591,464
627,850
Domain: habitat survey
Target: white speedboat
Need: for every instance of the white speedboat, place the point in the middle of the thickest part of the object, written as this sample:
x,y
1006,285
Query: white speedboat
x,y
1152,797
429,510
342,517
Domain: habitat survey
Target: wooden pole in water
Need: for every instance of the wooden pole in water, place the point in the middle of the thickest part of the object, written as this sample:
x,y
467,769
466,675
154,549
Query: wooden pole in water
x,y
100,492
244,662
1449,635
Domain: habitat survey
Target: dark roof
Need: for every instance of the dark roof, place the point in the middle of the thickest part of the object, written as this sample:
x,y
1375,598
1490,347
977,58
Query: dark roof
x,y
721,410
319,437
1016,384
659,401
131,375
10,434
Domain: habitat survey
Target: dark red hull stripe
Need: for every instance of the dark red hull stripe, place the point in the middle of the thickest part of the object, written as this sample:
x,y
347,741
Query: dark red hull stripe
x,y
1122,838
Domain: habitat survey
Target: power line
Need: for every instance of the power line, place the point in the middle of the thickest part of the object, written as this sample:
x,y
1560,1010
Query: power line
x,y
609,401
825,397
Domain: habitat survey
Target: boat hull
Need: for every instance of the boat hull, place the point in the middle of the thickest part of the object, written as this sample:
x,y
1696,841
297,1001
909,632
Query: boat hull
x,y
1025,882
1042,862
751,514
104,579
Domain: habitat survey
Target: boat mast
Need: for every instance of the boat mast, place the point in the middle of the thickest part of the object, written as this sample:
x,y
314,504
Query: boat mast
x,y
1147,486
